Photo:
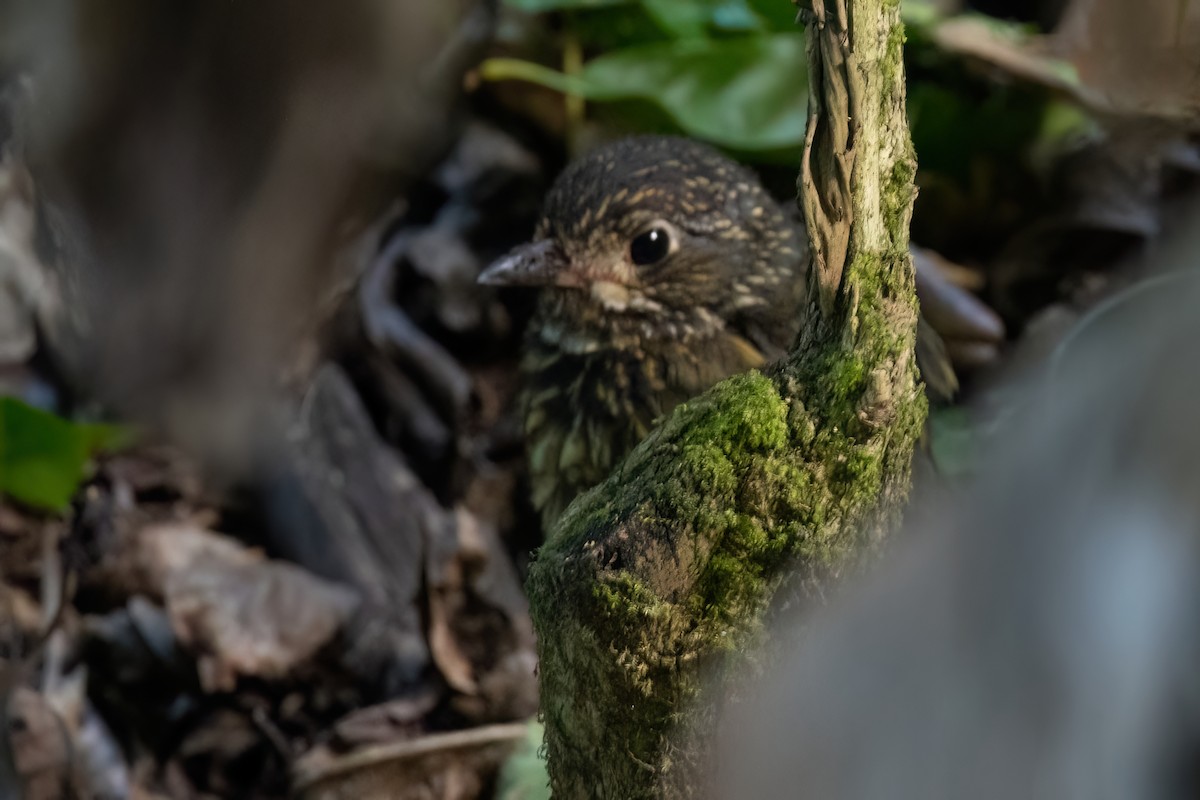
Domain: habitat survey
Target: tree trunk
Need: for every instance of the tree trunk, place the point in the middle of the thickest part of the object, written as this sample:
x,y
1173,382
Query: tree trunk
x,y
649,581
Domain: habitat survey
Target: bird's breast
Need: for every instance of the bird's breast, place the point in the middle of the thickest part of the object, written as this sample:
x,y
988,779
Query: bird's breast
x,y
585,407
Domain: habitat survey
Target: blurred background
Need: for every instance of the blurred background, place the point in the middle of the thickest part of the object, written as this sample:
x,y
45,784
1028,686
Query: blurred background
x,y
263,513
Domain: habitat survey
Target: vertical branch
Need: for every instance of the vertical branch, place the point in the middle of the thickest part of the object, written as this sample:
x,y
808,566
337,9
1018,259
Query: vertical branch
x,y
671,563
827,167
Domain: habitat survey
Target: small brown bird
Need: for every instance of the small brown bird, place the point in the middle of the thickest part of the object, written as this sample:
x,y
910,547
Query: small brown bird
x,y
664,267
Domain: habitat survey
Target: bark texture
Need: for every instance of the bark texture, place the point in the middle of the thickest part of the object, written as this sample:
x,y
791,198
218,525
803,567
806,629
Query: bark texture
x,y
662,572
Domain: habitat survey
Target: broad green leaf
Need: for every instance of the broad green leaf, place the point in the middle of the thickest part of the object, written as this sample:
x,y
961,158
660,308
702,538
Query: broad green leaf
x,y
683,19
749,93
615,27
43,458
540,6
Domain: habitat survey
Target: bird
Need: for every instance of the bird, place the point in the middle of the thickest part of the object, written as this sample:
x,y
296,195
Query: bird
x,y
662,266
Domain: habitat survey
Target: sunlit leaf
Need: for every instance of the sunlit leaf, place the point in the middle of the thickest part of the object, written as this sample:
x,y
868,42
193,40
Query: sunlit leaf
x,y
748,92
539,6
684,19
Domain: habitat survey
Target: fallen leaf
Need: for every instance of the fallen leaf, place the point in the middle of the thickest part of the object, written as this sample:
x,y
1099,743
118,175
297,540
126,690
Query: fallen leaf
x,y
41,747
256,619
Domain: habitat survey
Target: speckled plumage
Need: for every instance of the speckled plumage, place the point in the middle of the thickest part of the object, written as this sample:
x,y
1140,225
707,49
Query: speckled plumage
x,y
613,345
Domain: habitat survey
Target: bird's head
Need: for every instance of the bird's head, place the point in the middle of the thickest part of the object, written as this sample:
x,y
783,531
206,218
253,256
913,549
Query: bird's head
x,y
656,229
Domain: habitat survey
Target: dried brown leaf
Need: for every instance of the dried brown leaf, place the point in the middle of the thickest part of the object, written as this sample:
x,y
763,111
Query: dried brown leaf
x,y
260,619
41,746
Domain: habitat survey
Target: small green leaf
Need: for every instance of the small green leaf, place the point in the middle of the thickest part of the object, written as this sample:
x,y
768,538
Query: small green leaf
x,y
103,438
683,19
523,776
749,93
953,441
43,458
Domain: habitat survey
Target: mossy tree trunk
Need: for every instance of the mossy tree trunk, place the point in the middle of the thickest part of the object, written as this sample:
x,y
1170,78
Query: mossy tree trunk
x,y
668,566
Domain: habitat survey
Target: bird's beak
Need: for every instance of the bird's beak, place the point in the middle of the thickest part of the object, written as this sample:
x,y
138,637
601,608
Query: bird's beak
x,y
535,264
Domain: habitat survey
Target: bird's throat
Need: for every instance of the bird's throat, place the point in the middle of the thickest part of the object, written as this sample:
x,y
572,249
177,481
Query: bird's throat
x,y
612,296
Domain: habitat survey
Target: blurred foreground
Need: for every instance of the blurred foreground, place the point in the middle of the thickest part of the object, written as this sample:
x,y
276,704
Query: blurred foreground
x,y
1035,636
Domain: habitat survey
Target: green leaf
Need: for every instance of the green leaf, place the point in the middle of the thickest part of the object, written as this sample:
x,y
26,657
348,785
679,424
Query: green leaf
x,y
44,458
920,14
683,19
541,6
739,15
523,776
615,27
748,93
953,441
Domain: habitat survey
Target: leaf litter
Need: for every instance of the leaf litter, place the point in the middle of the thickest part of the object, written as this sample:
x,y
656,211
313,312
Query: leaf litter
x,y
349,620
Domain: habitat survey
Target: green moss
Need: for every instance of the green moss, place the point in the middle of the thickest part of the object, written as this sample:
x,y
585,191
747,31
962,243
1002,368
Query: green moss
x,y
675,562
892,65
751,415
898,196
625,596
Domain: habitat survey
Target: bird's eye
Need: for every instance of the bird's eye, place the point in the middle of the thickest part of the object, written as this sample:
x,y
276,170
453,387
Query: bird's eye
x,y
650,247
